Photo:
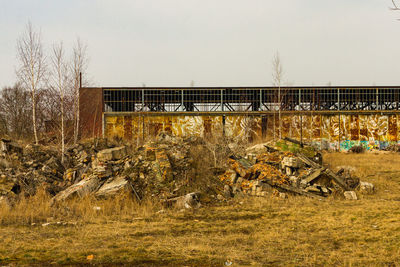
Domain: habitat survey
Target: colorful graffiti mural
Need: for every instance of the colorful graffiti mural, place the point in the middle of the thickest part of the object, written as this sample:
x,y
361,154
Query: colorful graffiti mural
x,y
326,131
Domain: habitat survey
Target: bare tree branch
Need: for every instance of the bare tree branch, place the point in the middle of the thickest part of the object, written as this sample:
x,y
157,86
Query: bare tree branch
x,y
395,6
60,79
78,66
32,69
277,77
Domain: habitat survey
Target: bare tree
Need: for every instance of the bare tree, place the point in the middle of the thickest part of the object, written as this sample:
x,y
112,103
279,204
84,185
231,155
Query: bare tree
x,y
395,6
78,68
60,82
32,70
277,78
16,110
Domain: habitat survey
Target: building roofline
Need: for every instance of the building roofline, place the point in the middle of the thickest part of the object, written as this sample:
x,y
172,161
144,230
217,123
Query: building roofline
x,y
243,87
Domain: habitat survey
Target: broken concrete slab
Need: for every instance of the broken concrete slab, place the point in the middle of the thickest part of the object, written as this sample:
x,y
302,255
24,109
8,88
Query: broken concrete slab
x,y
188,201
366,188
80,189
110,154
350,195
112,187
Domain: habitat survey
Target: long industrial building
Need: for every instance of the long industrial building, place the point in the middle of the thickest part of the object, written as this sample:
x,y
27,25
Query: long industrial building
x,y
333,117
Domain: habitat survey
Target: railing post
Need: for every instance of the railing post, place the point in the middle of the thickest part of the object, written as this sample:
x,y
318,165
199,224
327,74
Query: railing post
x,y
338,95
142,99
301,118
182,99
260,108
222,100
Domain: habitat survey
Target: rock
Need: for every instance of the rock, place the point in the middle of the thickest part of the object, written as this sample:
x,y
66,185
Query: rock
x,y
227,191
150,154
232,176
114,186
291,162
162,166
101,169
283,195
5,163
257,149
366,188
350,195
83,156
294,180
8,147
188,201
80,189
110,154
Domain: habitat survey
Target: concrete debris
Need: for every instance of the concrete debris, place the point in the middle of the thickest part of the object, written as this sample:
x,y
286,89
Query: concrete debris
x,y
114,186
81,189
366,188
114,153
168,169
188,201
291,173
350,195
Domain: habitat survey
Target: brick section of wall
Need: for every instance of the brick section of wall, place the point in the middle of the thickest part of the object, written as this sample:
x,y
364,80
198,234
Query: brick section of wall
x,y
90,112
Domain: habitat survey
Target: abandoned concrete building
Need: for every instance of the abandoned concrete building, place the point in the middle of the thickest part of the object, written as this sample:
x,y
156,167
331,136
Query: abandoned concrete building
x,y
333,117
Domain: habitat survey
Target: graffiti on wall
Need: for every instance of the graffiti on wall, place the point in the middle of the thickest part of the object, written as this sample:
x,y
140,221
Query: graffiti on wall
x,y
326,131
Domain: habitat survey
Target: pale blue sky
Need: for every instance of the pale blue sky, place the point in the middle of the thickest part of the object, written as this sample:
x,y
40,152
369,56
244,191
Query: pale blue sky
x,y
215,42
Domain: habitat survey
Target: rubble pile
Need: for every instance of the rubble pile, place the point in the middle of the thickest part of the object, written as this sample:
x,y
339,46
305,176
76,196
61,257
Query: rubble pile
x,y
281,173
164,169
176,171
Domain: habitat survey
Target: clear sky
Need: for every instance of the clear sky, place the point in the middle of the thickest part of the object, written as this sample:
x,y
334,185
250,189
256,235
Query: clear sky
x,y
215,42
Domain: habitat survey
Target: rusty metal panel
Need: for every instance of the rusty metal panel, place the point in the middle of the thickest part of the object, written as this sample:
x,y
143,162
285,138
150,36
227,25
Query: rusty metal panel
x,y
128,134
90,112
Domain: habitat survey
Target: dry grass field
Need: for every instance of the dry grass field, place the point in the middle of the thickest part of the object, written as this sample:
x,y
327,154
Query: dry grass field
x,y
253,231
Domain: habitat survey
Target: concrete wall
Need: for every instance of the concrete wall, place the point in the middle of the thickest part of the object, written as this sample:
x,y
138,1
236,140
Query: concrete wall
x,y
369,130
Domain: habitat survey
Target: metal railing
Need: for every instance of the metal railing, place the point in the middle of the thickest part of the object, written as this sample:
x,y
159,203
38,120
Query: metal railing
x,y
250,99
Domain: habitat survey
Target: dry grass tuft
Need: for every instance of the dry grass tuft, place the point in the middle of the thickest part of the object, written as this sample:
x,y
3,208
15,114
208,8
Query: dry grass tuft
x,y
39,209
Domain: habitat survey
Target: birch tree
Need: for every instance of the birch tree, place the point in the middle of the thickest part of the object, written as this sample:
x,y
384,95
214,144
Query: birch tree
x,y
395,6
277,77
32,67
78,68
60,82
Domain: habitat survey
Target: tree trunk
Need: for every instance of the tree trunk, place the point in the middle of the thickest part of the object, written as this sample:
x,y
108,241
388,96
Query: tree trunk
x,y
34,117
